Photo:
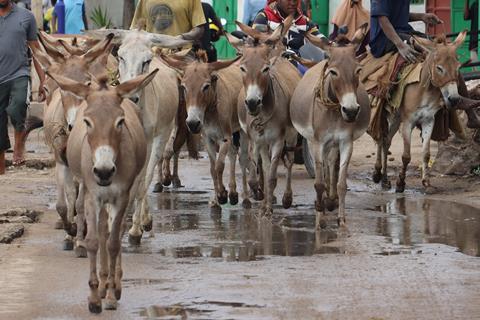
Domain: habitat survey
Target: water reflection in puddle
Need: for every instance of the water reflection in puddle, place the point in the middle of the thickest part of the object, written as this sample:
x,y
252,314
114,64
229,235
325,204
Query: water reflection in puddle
x,y
411,222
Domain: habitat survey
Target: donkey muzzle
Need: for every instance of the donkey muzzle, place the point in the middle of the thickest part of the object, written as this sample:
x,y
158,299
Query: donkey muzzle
x,y
103,176
253,105
194,126
350,114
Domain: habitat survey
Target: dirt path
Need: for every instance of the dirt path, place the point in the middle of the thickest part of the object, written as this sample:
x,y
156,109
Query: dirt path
x,y
406,256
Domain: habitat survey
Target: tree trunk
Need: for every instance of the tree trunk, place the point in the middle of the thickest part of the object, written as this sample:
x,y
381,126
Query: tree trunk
x,y
128,12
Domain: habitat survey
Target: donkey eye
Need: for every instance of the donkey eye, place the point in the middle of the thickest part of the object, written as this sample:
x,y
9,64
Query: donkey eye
x,y
358,70
87,123
205,87
266,69
120,123
440,69
242,68
333,72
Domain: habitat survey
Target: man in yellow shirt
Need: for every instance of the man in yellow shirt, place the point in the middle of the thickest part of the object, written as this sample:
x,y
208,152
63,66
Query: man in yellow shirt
x,y
171,17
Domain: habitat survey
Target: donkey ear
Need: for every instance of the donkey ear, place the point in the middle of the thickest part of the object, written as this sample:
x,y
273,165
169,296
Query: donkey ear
x,y
460,38
174,63
252,33
51,50
41,57
100,34
322,43
131,87
425,44
77,88
222,64
166,41
237,43
74,51
360,35
99,48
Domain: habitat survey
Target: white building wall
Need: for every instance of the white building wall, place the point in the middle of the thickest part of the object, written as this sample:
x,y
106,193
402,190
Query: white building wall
x,y
114,9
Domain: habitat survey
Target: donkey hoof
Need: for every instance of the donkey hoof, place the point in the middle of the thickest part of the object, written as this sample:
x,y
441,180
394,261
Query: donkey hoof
x,y
386,184
110,304
287,201
148,226
72,230
233,197
400,187
341,222
134,239
68,245
258,194
58,224
158,188
176,183
95,307
377,176
319,206
223,197
167,180
246,204
321,223
118,294
330,204
80,252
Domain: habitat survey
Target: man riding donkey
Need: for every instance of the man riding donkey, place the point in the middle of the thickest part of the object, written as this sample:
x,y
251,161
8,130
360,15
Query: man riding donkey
x,y
399,58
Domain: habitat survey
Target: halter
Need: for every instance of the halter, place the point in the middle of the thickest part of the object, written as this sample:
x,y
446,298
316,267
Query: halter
x,y
321,93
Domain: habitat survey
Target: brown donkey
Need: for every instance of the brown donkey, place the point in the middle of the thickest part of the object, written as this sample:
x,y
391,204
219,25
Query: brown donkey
x,y
331,109
106,151
263,107
58,118
438,86
211,93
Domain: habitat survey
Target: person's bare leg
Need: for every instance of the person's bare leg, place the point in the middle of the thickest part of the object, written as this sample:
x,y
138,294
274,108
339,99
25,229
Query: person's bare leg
x,y
19,148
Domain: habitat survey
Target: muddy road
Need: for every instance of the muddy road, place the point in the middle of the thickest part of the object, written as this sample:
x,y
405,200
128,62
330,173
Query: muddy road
x,y
411,256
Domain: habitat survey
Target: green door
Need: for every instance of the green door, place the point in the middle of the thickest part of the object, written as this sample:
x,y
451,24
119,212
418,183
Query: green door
x,y
320,14
458,25
226,9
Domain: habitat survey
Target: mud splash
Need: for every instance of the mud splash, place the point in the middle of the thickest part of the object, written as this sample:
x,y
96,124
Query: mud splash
x,y
409,222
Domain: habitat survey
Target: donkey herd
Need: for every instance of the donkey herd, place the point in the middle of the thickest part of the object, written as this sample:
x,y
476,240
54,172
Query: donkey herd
x,y
107,139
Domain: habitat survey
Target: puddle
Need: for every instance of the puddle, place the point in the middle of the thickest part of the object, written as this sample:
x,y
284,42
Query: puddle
x,y
171,312
410,222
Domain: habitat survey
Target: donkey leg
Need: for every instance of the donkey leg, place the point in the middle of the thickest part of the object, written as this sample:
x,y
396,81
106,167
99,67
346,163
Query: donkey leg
x,y
176,183
346,149
386,184
232,183
114,244
406,157
317,154
244,163
212,156
80,247
61,205
333,171
254,166
222,196
377,173
102,237
71,193
167,156
266,208
92,211
427,129
291,142
158,187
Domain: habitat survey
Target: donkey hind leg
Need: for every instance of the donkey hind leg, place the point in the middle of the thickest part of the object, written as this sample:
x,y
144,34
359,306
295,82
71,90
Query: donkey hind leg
x,y
244,165
291,142
176,183
333,162
80,247
116,214
92,210
166,177
317,153
406,157
158,187
393,125
71,193
232,183
377,173
222,196
346,149
427,129
212,157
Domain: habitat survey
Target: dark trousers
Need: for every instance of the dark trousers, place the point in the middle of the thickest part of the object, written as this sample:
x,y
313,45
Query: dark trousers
x,y
13,104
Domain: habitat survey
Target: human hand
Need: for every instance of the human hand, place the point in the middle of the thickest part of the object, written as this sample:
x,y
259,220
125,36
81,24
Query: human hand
x,y
431,19
408,53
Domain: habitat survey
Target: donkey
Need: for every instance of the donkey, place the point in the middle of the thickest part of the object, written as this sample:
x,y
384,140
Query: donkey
x,y
211,93
58,118
331,109
263,107
421,101
158,103
106,151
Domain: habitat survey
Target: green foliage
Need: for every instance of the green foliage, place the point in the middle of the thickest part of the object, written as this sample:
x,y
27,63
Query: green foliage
x,y
100,18
476,170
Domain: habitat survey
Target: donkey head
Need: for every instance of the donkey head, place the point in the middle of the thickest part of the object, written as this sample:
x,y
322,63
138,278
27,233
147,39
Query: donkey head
x,y
342,72
75,67
198,86
104,119
135,52
256,62
443,65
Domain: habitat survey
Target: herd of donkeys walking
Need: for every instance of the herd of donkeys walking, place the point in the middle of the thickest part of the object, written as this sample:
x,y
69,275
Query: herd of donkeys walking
x,y
107,140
